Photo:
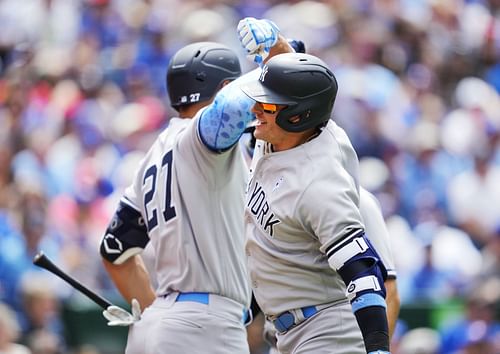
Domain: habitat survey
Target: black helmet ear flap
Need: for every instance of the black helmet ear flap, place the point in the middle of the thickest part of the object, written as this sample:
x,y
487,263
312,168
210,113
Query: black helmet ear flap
x,y
310,113
290,118
294,120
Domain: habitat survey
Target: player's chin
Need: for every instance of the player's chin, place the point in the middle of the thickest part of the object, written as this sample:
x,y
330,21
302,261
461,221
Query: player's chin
x,y
259,132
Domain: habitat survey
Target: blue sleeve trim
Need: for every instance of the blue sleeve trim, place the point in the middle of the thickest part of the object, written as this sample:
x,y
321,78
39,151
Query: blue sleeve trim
x,y
223,122
367,300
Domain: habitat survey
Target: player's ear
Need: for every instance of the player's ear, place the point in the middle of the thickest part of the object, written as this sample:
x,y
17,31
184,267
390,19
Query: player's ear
x,y
225,82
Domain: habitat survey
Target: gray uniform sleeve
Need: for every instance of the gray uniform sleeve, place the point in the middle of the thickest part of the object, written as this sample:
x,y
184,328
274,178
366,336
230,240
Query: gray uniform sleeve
x,y
330,207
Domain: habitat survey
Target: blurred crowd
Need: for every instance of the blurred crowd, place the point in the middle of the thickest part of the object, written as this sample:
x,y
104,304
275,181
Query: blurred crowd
x,y
82,95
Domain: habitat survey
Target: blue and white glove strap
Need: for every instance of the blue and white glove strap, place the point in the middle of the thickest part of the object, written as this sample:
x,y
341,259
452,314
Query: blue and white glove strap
x,y
379,352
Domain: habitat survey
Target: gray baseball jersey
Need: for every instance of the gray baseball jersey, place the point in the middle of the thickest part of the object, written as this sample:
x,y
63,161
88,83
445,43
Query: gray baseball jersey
x,y
306,199
192,200
376,231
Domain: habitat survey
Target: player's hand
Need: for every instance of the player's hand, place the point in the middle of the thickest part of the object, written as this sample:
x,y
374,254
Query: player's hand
x,y
257,37
379,352
117,316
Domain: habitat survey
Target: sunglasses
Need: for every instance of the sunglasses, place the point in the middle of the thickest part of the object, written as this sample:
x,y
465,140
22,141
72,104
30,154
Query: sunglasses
x,y
269,108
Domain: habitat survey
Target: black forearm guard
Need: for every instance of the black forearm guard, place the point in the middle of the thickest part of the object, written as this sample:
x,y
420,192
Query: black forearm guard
x,y
373,324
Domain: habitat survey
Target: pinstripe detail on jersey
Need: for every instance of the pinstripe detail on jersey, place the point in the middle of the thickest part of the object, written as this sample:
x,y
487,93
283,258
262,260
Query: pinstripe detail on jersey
x,y
348,237
268,148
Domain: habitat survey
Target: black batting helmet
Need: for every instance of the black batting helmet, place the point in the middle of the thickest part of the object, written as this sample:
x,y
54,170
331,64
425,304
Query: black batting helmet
x,y
303,83
197,70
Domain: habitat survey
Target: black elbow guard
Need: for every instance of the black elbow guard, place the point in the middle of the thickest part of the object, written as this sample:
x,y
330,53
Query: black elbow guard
x,y
359,266
125,236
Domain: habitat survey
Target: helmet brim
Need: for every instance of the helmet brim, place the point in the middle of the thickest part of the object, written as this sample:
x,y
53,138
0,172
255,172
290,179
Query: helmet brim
x,y
259,93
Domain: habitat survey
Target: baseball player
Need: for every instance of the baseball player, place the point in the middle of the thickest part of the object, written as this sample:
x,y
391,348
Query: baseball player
x,y
187,198
376,231
313,271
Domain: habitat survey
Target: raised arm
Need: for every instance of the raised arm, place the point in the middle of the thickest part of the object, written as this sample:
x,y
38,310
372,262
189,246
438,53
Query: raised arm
x,y
223,122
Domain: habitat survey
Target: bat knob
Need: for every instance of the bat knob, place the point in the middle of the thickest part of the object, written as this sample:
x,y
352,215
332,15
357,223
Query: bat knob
x,y
38,257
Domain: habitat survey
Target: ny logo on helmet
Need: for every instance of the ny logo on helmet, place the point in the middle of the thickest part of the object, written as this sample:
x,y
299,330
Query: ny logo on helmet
x,y
263,74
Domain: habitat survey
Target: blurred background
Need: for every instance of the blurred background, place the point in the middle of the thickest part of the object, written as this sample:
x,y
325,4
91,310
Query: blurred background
x,y
82,96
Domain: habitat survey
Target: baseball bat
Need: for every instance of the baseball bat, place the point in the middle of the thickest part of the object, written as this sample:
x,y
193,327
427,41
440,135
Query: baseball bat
x,y
42,261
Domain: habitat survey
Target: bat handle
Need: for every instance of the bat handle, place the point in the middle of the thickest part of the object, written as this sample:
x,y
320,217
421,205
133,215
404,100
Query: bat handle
x,y
43,261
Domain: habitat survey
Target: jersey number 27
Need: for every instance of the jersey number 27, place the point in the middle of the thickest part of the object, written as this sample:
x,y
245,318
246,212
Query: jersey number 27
x,y
151,173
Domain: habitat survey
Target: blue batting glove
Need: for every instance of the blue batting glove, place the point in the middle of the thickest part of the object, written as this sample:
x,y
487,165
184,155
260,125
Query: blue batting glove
x,y
379,352
257,37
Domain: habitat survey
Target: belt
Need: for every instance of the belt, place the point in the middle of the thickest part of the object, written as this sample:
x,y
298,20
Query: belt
x,y
203,298
292,318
